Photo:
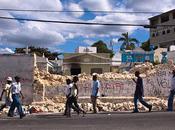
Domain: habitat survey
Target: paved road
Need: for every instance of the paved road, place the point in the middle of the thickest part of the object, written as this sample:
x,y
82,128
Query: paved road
x,y
105,121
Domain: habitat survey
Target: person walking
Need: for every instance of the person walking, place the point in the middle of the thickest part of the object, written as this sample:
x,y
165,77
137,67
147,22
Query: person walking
x,y
16,94
68,95
139,92
172,93
95,92
73,98
6,91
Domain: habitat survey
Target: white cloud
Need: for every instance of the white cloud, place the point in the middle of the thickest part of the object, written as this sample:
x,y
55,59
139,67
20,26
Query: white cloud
x,y
6,51
32,4
88,42
75,7
96,4
150,5
114,40
33,36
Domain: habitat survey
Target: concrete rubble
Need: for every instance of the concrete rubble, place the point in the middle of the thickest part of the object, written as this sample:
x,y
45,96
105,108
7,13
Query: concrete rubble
x,y
57,104
57,107
146,69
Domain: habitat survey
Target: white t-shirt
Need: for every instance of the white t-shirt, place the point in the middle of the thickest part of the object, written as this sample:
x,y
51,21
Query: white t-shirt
x,y
68,89
74,91
16,88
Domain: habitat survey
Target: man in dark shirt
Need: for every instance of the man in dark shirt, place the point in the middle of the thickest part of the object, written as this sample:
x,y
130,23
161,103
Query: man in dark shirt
x,y
139,93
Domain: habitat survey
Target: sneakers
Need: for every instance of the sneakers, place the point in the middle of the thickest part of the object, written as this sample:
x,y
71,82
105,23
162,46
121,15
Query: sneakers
x,y
21,116
135,111
9,115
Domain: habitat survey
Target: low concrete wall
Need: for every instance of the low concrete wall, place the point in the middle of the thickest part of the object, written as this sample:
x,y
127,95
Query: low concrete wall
x,y
157,84
18,65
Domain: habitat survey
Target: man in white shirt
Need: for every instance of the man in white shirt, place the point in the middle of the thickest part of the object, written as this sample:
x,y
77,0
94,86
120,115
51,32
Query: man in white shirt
x,y
16,94
6,91
68,94
172,93
95,92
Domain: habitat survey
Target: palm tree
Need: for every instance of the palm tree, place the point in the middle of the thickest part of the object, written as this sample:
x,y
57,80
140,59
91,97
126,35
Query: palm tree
x,y
128,43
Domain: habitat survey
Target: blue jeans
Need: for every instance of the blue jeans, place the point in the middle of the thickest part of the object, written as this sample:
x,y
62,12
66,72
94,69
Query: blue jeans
x,y
16,103
170,100
7,103
140,98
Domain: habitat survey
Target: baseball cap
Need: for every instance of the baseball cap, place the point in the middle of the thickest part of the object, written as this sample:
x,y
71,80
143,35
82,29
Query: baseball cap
x,y
9,79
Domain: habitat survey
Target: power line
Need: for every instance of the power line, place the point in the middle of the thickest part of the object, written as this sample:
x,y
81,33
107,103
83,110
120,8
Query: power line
x,y
70,22
85,23
78,11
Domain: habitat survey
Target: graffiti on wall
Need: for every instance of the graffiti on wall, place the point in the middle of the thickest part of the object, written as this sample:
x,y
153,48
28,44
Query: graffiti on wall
x,y
154,85
159,84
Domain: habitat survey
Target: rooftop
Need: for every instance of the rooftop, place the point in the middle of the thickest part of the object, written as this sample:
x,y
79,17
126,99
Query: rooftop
x,y
162,14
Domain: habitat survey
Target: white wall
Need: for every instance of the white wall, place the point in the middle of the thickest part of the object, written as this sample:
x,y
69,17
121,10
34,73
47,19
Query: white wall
x,y
86,50
171,56
18,65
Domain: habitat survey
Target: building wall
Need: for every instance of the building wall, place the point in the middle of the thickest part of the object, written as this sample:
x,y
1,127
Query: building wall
x,y
156,35
86,68
137,57
86,50
18,65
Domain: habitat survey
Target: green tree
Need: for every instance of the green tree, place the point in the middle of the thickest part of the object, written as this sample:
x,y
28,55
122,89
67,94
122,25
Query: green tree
x,y
128,43
39,52
147,46
102,48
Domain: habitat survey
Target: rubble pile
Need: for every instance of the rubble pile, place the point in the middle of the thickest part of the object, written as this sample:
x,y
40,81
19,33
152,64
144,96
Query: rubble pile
x,y
142,68
49,79
146,69
50,106
57,104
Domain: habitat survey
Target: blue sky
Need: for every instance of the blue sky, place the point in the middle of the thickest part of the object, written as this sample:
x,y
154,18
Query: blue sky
x,y
65,38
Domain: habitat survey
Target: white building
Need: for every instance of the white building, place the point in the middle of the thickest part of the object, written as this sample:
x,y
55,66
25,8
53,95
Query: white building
x,y
82,49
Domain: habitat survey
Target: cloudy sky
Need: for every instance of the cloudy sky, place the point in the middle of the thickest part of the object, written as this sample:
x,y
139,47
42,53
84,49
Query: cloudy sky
x,y
64,37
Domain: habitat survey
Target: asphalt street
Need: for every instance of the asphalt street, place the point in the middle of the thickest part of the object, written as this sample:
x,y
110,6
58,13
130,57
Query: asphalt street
x,y
103,121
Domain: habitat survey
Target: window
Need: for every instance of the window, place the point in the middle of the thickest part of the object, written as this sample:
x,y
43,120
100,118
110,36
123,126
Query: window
x,y
163,33
154,22
173,15
153,35
164,18
168,31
